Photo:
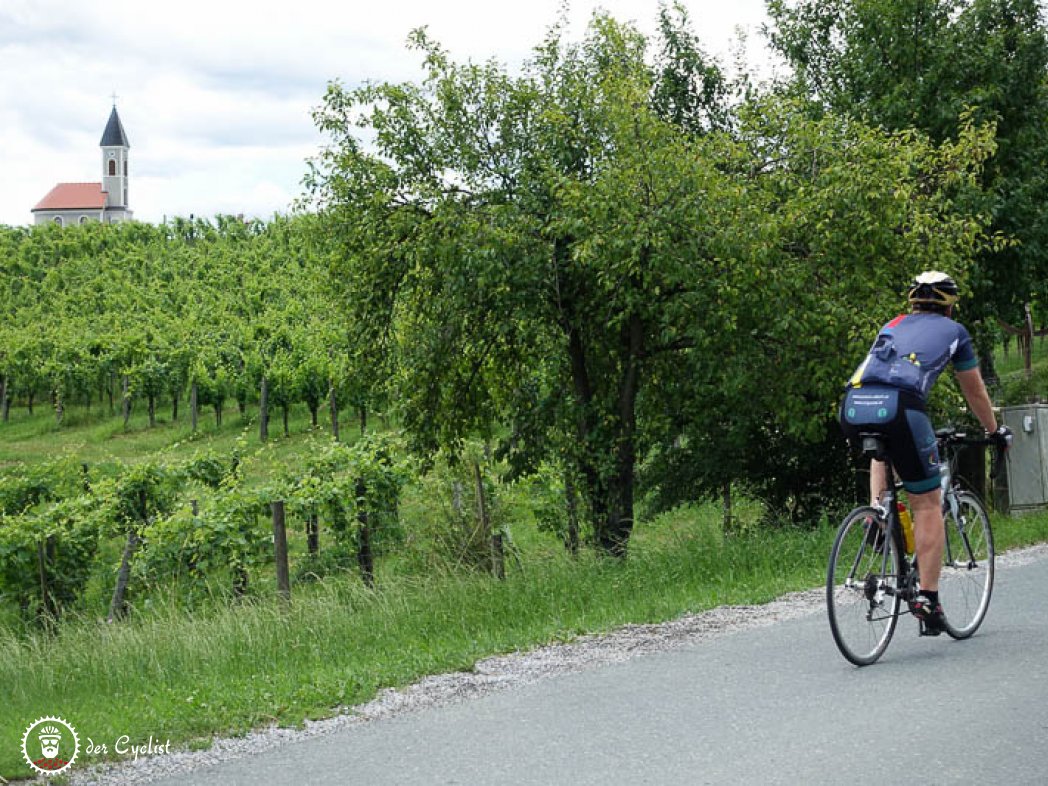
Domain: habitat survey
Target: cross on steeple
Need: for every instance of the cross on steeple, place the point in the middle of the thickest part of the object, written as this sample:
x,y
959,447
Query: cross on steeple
x,y
114,96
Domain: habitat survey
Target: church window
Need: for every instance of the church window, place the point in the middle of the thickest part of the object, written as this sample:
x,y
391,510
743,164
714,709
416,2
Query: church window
x,y
83,219
58,220
112,167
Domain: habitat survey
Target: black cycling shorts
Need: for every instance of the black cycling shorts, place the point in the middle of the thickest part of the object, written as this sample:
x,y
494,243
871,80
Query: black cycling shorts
x,y
900,416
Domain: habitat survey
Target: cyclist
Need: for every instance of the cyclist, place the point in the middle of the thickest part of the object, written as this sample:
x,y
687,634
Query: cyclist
x,y
887,394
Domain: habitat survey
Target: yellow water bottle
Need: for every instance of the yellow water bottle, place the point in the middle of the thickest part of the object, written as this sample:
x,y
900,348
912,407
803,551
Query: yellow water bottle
x,y
907,526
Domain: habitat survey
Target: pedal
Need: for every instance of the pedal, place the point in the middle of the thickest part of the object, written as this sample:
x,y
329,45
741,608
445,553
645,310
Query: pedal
x,y
924,630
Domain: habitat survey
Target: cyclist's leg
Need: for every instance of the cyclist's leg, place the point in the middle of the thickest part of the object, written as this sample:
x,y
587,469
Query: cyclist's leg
x,y
916,458
878,480
928,536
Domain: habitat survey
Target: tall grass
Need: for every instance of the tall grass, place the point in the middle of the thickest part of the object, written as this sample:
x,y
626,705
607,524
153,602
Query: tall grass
x,y
1012,363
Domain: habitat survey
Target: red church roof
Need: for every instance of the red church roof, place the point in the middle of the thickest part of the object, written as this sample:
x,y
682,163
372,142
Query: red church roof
x,y
72,196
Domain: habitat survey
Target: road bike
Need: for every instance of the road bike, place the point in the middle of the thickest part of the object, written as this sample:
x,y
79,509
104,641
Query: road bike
x,y
871,574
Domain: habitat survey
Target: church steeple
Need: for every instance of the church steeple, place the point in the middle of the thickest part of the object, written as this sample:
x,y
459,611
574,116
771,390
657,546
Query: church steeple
x,y
114,135
115,149
78,203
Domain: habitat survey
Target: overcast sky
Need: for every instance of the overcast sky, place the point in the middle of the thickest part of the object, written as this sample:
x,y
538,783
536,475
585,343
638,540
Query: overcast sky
x,y
216,95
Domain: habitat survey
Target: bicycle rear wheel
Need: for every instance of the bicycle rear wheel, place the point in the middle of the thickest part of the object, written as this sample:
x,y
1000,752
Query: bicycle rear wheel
x,y
966,582
862,597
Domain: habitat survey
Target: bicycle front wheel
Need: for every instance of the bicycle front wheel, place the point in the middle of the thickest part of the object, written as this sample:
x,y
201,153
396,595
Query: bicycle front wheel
x,y
966,582
862,597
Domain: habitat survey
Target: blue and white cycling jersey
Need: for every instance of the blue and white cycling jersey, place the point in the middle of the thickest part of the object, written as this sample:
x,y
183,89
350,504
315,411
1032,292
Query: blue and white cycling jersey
x,y
912,351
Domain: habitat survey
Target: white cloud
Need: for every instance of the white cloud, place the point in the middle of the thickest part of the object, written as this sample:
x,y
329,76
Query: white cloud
x,y
216,95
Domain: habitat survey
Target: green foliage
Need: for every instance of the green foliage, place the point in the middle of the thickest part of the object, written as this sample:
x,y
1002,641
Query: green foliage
x,y
49,550
690,90
137,494
583,254
92,308
613,260
210,469
929,64
1018,388
48,536
454,534
351,481
22,491
548,496
229,530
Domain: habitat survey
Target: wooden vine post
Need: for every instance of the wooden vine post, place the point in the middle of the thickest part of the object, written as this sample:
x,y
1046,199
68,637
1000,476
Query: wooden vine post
x,y
313,532
333,406
125,398
280,550
46,606
571,498
263,414
1025,335
498,558
118,606
365,557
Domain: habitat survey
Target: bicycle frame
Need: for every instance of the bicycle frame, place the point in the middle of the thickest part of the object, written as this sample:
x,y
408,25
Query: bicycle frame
x,y
949,489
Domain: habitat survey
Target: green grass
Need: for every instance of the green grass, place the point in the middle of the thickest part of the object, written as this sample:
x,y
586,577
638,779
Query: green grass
x,y
1013,362
94,437
180,675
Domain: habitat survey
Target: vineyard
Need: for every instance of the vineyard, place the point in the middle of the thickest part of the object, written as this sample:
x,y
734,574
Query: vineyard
x,y
111,322
634,278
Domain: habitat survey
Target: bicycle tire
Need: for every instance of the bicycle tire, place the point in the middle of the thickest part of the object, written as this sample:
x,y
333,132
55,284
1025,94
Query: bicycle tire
x,y
966,582
862,580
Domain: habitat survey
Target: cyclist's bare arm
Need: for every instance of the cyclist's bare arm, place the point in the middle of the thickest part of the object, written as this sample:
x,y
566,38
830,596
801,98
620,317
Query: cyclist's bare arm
x,y
971,383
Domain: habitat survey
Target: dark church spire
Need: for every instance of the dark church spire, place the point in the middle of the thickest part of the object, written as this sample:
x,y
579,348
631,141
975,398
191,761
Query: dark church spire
x,y
114,135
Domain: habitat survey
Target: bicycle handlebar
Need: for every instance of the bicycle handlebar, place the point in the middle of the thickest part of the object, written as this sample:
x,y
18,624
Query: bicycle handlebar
x,y
955,436
951,436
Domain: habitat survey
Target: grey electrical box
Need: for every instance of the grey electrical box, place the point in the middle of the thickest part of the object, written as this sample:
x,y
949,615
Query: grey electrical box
x,y
1028,457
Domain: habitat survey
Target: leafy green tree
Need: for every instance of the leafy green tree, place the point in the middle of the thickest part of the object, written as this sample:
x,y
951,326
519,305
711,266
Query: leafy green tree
x,y
690,89
551,253
840,212
460,230
921,64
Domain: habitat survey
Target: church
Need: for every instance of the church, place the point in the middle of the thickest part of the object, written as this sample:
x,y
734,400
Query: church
x,y
78,203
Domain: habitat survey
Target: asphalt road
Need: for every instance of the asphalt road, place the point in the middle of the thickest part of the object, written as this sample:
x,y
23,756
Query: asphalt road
x,y
774,705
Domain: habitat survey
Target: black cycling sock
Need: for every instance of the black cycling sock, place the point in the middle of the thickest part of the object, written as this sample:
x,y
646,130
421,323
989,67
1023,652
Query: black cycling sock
x,y
931,595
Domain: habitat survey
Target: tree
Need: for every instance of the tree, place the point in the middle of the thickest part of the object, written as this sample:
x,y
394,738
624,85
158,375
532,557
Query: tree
x,y
689,90
837,213
550,254
923,64
473,223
